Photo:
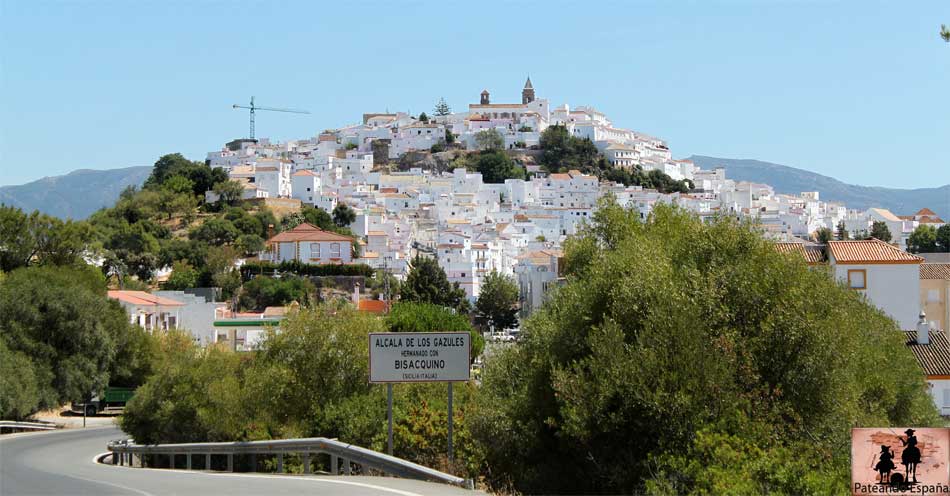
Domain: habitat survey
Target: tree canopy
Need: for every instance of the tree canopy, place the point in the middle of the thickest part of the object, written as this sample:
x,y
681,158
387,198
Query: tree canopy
x,y
879,230
489,139
705,345
427,283
442,108
495,167
343,215
497,304
426,317
61,319
40,239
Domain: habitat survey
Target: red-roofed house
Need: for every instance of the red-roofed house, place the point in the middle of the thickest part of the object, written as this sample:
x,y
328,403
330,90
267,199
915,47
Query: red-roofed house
x,y
309,244
152,312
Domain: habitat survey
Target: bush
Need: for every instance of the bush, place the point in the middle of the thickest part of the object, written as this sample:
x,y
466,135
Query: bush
x,y
62,320
262,292
667,327
426,317
19,392
183,276
251,269
308,380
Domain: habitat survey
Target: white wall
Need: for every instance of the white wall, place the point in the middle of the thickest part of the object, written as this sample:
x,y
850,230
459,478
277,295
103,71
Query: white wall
x,y
940,391
894,288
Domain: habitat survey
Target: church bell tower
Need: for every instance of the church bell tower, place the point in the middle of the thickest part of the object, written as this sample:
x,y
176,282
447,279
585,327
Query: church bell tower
x,y
527,94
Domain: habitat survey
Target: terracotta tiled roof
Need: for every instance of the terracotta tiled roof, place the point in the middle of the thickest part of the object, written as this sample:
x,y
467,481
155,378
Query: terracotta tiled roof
x,y
142,298
869,251
935,271
934,357
307,232
813,254
304,173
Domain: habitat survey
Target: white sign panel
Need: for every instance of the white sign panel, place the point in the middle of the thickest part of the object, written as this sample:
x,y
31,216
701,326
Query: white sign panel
x,y
419,356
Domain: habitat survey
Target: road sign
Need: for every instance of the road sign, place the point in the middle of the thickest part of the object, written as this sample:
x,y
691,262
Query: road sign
x,y
419,357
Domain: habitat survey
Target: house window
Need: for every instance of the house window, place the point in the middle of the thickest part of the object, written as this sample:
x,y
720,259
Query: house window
x,y
335,250
857,279
314,250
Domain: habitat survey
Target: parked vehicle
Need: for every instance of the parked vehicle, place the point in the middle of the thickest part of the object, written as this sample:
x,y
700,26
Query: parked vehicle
x,y
111,400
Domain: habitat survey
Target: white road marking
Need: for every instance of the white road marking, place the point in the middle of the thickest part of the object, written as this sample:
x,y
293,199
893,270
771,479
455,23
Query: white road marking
x,y
99,481
282,477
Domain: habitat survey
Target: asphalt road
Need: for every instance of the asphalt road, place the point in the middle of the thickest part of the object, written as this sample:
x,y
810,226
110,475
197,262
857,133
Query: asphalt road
x,y
62,462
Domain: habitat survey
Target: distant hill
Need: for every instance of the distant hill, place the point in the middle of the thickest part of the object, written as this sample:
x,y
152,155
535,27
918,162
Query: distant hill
x,y
789,180
75,195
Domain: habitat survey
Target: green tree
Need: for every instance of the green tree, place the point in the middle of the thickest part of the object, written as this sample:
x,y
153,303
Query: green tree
x,y
560,151
36,238
449,137
823,235
249,244
229,192
202,176
263,291
19,392
427,283
215,231
195,395
62,320
425,317
923,240
945,33
343,215
880,231
183,276
495,167
943,238
489,139
497,304
705,326
320,218
841,232
424,118
442,108
178,185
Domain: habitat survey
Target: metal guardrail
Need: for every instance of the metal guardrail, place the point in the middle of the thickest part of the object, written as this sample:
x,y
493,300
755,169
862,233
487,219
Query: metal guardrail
x,y
27,426
342,455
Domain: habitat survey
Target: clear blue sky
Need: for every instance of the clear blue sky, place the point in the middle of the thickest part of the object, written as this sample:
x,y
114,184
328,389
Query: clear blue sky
x,y
859,91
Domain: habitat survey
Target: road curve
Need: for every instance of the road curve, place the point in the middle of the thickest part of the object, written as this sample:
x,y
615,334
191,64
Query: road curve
x,y
62,462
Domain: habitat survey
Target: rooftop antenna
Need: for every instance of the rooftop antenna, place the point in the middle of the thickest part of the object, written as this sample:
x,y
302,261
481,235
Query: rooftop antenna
x,y
254,108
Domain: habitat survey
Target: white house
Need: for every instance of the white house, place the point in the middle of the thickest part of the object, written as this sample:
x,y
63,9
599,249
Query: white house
x,y
888,276
153,313
305,186
309,244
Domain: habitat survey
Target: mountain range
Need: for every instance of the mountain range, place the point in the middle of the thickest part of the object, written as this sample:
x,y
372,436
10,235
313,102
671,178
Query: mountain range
x,y
790,180
75,195
80,193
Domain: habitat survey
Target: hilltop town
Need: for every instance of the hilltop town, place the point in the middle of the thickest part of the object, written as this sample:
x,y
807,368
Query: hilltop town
x,y
415,185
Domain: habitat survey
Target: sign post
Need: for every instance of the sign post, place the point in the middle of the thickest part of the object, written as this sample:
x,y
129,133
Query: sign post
x,y
451,421
419,357
389,418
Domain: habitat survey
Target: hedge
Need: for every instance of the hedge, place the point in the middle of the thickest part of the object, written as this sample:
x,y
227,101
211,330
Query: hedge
x,y
250,269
